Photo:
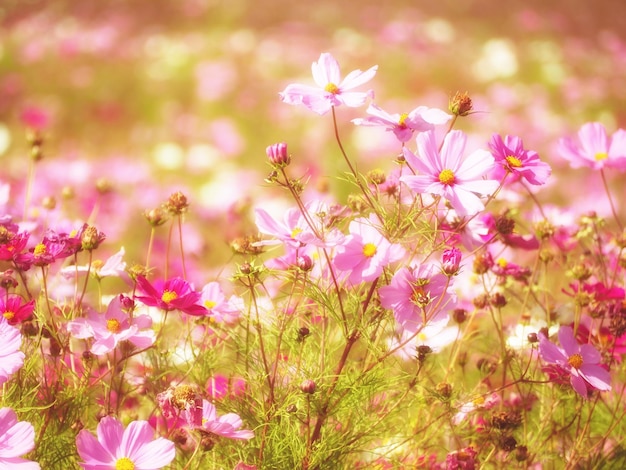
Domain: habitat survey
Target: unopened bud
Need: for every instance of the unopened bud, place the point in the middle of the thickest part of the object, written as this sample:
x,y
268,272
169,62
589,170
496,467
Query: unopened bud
x,y
277,154
308,386
460,104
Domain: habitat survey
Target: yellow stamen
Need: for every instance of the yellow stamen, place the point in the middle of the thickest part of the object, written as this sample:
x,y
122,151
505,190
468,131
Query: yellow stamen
x,y
124,464
601,156
40,249
402,120
446,177
8,315
210,304
502,262
575,360
369,250
113,325
295,232
332,88
513,161
168,296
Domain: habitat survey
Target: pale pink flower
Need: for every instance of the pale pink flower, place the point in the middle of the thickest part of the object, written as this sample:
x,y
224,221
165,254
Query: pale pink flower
x,y
436,335
227,425
418,295
16,438
220,309
114,266
331,90
596,149
116,448
447,174
11,358
365,252
404,125
115,326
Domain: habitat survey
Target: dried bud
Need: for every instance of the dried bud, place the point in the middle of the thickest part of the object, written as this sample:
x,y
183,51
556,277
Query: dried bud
x,y
508,443
55,347
7,281
308,386
498,300
444,389
356,204
36,153
49,202
481,301
87,356
155,217
544,229
177,204
521,453
581,272
483,262
207,441
277,154
459,315
303,332
546,255
504,225
91,238
532,338
377,176
29,329
103,185
460,104
423,350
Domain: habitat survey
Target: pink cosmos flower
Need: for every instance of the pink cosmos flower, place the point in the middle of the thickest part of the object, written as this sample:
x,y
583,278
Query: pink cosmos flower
x,y
11,358
436,335
581,361
331,90
512,158
172,294
365,252
596,149
227,425
116,448
14,309
404,125
418,295
16,438
113,266
221,309
115,326
448,175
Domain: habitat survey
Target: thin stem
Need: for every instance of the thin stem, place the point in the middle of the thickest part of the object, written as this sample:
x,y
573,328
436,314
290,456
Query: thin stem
x,y
608,194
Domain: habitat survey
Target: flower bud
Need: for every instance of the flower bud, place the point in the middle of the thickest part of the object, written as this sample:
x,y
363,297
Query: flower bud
x,y
308,386
460,104
305,263
451,261
177,203
277,154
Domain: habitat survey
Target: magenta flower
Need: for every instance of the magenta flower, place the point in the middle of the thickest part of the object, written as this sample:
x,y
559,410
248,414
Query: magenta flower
x,y
365,252
16,438
404,125
227,425
14,309
11,358
512,158
331,90
447,175
418,295
173,294
115,326
596,149
581,361
117,448
451,261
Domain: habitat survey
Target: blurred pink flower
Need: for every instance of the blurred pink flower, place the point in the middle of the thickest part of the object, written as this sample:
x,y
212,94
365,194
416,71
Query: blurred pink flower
x,y
16,438
116,448
404,125
581,361
418,295
512,158
11,358
172,294
115,326
226,426
447,175
331,90
365,252
113,266
35,117
220,309
596,149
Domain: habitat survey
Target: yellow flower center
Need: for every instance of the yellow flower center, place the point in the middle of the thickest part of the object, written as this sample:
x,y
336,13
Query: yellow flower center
x,y
168,296
210,304
446,177
113,325
295,232
502,262
40,249
601,156
513,161
124,464
8,315
369,250
402,120
332,88
575,360
420,296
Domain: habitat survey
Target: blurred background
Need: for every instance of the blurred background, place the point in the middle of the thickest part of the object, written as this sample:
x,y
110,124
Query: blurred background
x,y
137,99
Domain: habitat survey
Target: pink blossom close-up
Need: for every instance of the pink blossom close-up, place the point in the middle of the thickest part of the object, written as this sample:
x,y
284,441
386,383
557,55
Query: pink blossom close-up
x,y
170,294
11,358
513,159
16,439
595,149
117,448
458,180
